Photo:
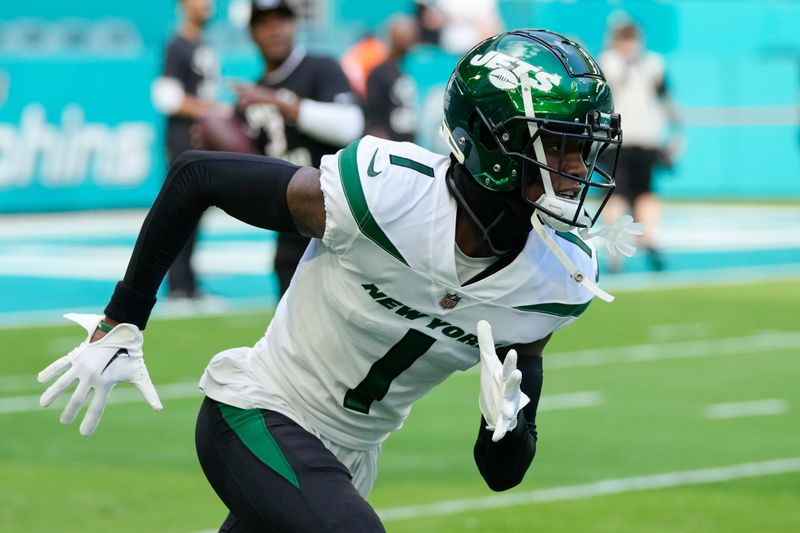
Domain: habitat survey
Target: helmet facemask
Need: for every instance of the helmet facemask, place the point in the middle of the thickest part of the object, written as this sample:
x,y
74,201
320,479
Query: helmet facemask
x,y
559,209
568,208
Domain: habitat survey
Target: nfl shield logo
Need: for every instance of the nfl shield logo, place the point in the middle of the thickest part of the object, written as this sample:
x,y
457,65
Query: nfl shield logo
x,y
450,300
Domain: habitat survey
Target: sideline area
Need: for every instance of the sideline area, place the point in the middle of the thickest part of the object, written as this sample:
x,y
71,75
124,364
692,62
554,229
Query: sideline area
x,y
60,262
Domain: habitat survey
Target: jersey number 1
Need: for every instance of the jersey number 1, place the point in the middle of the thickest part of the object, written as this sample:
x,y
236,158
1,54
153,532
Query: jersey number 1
x,y
381,374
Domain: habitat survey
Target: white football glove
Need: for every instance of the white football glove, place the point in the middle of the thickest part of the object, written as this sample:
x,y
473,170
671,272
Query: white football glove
x,y
620,236
100,365
500,397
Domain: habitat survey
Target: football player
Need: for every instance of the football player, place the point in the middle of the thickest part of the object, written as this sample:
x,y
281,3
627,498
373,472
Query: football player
x,y
412,254
654,130
301,108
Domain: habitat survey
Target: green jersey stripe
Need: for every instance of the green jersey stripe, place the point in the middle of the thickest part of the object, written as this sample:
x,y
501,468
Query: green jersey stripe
x,y
249,426
574,239
555,309
410,163
354,192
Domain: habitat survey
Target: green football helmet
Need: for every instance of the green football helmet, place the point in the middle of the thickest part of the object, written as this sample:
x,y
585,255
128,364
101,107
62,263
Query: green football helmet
x,y
512,90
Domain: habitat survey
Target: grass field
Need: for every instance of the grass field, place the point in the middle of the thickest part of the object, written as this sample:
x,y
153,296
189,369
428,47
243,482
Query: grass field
x,y
632,394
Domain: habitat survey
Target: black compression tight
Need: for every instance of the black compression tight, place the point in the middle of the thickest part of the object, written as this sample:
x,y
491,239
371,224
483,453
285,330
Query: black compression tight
x,y
313,493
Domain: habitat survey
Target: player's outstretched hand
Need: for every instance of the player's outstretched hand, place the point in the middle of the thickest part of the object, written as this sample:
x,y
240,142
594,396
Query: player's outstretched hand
x,y
500,397
100,365
620,236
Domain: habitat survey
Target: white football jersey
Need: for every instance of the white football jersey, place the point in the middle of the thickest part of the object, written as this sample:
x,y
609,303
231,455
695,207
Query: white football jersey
x,y
375,316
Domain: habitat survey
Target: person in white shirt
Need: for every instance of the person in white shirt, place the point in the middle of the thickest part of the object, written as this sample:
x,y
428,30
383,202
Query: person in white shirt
x,y
652,130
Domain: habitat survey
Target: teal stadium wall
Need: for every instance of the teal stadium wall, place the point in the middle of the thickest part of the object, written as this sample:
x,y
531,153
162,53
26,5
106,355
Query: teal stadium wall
x,y
78,131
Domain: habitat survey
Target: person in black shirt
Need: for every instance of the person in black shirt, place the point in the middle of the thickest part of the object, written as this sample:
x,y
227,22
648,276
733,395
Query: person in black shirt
x,y
186,92
430,21
301,109
391,95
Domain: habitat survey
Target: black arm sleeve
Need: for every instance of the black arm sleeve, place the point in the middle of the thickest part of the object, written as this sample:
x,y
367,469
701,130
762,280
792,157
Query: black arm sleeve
x,y
250,188
503,464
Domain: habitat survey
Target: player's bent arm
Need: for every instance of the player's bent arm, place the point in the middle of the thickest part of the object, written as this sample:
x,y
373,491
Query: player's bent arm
x,y
306,204
504,463
251,188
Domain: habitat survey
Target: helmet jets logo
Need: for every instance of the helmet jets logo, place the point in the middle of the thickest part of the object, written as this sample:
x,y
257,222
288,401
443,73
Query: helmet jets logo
x,y
503,79
506,71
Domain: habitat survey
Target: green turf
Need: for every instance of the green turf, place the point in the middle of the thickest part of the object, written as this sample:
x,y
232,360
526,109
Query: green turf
x,y
139,472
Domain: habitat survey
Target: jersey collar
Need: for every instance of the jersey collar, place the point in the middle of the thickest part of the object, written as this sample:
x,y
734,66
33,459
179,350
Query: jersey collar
x,y
285,70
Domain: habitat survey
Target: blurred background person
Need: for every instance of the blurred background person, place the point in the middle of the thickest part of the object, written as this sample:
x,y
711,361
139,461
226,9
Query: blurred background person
x,y
301,109
467,22
430,21
186,92
651,127
359,60
391,94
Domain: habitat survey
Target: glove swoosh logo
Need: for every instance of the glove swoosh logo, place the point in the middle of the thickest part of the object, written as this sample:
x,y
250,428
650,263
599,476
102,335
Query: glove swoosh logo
x,y
371,169
113,357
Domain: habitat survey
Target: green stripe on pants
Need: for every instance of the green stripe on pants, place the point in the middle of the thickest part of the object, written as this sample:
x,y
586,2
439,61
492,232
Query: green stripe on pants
x,y
249,426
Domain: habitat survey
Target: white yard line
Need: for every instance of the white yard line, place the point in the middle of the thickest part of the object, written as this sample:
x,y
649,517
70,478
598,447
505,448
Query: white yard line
x,y
721,411
169,391
682,331
189,389
641,353
570,400
22,382
603,487
650,352
597,488
637,353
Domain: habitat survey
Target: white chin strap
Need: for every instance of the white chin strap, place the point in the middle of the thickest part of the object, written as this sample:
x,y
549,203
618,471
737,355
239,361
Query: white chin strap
x,y
447,136
567,209
579,277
